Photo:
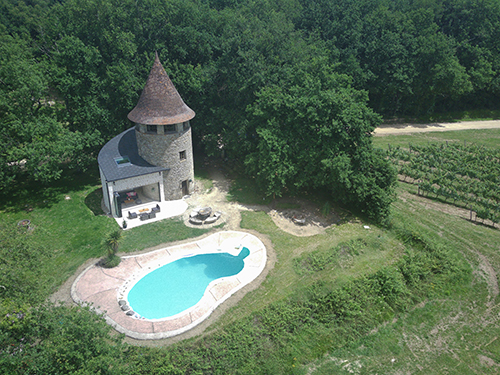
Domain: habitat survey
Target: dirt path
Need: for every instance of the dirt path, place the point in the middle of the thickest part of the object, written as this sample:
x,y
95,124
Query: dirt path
x,y
391,129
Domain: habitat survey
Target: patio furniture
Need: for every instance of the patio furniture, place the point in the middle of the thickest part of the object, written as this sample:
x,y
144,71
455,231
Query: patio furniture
x,y
152,215
144,216
210,220
128,196
132,215
156,209
194,220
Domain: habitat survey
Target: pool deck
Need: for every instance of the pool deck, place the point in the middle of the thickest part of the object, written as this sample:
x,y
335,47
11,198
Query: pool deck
x,y
168,209
104,287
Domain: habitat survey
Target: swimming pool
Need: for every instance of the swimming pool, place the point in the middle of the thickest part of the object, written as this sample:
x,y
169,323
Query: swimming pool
x,y
180,285
107,290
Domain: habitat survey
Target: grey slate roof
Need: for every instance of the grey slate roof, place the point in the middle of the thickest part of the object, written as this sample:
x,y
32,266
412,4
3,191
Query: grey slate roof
x,y
124,145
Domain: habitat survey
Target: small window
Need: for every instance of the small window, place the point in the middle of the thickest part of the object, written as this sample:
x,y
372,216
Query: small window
x,y
185,125
122,161
182,155
151,129
169,128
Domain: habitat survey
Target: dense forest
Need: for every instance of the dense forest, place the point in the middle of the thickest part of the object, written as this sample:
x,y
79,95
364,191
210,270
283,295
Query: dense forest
x,y
291,89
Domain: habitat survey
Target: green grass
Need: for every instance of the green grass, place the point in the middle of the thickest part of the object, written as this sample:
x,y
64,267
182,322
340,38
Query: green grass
x,y
93,201
485,137
456,116
383,248
68,228
451,333
74,229
455,332
156,233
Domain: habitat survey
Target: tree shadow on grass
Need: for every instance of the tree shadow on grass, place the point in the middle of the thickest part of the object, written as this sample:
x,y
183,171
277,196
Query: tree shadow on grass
x,y
25,193
93,201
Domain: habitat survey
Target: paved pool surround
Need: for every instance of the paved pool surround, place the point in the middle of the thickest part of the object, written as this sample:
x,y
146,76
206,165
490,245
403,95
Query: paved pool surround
x,y
104,287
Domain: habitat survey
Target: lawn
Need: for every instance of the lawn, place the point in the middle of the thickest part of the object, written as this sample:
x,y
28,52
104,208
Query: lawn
x,y
283,280
454,333
71,225
446,330
457,331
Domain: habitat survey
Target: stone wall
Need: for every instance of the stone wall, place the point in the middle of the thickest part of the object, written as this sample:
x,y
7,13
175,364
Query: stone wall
x,y
165,150
151,191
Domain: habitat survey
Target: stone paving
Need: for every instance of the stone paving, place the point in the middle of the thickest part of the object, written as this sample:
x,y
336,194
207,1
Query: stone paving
x,y
103,288
168,209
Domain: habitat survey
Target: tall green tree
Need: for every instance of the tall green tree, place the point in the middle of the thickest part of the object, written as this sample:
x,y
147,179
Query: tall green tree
x,y
314,131
34,143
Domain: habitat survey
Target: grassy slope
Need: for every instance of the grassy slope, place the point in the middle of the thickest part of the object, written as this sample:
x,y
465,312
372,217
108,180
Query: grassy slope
x,y
71,224
283,280
427,339
456,334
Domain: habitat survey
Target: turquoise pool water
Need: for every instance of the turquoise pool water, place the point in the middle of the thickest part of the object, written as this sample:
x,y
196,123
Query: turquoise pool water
x,y
181,284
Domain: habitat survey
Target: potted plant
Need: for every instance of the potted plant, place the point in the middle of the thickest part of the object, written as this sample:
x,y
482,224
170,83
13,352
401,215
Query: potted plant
x,y
124,224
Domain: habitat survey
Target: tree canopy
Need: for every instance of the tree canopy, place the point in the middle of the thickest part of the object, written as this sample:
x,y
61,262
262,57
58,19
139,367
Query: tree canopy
x,y
277,85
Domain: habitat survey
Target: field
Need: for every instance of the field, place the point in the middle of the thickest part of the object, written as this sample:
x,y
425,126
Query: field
x,y
454,333
343,301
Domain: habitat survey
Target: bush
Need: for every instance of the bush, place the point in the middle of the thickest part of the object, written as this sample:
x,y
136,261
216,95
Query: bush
x,y
110,261
318,260
21,265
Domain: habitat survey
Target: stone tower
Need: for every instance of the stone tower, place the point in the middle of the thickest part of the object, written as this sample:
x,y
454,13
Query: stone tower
x,y
163,132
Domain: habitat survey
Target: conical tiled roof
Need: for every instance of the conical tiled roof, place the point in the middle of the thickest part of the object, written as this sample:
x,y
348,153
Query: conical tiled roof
x,y
160,103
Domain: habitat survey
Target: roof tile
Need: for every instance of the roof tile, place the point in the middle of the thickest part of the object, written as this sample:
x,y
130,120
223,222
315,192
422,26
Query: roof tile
x,y
160,103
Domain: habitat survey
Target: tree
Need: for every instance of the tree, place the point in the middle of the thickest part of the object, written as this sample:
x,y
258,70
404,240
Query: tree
x,y
314,131
34,143
112,243
51,339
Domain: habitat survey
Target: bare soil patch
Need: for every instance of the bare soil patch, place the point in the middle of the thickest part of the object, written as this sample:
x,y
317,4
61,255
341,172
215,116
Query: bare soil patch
x,y
314,221
305,220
